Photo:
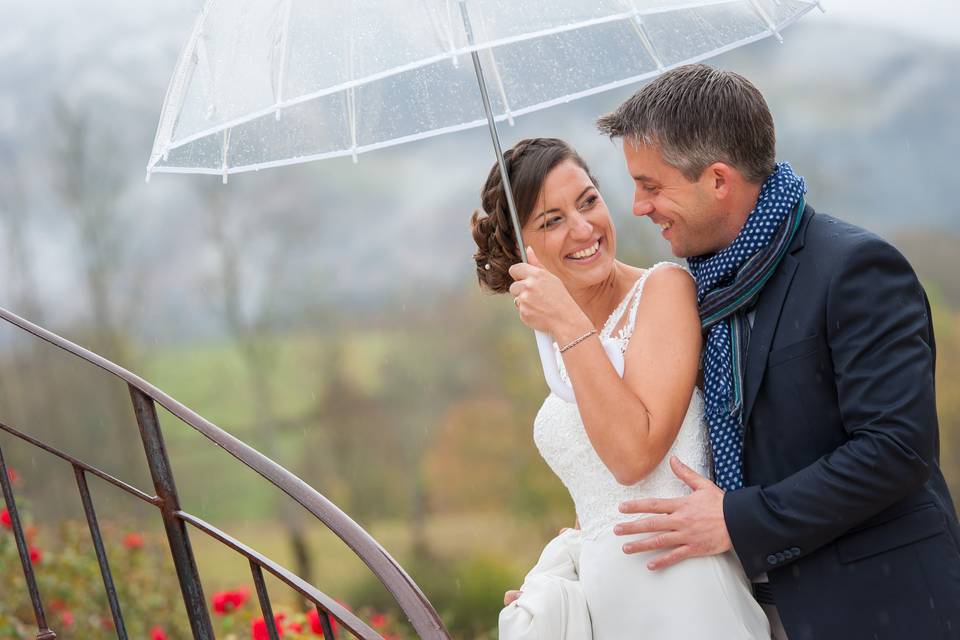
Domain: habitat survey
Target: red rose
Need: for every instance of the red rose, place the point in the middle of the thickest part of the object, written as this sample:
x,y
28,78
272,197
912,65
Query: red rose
x,y
314,619
378,620
13,475
258,628
226,601
35,555
157,633
5,519
133,541
295,627
66,618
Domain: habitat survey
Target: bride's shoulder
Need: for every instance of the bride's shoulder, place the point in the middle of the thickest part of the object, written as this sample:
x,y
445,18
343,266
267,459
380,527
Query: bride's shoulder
x,y
668,275
670,267
669,284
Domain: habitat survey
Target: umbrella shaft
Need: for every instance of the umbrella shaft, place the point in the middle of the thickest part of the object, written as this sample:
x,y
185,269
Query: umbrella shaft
x,y
494,135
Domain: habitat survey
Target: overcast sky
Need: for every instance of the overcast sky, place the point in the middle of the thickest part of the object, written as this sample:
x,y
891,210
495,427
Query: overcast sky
x,y
932,19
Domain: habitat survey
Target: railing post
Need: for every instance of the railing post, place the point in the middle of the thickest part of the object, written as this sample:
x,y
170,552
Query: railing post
x,y
43,630
176,529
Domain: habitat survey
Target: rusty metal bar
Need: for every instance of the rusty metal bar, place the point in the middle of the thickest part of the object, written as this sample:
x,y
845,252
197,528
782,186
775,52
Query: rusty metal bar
x,y
162,474
43,629
264,599
120,484
325,624
322,601
101,553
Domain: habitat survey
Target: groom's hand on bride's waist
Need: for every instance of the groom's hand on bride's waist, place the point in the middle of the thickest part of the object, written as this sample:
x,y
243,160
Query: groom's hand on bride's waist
x,y
685,527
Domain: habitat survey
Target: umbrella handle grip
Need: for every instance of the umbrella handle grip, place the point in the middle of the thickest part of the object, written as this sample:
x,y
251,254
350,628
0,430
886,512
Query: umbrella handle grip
x,y
551,371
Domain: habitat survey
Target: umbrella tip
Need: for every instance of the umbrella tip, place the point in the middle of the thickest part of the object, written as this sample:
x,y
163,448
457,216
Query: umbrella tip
x,y
147,178
226,178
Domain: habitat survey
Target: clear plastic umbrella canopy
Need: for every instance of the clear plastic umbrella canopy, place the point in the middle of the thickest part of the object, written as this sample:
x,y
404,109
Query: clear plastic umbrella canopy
x,y
266,83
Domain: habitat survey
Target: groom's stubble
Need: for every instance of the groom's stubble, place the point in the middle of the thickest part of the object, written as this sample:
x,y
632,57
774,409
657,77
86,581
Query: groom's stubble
x,y
697,217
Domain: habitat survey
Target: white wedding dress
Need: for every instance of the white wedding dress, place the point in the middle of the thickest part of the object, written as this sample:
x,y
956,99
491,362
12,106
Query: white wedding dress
x,y
698,598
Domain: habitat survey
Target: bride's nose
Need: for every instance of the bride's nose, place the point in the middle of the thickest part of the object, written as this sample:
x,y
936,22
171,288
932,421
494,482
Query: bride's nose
x,y
581,228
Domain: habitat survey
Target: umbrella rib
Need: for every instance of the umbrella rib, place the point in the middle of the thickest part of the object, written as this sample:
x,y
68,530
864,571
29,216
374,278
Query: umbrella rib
x,y
225,170
496,75
176,90
284,36
641,30
771,26
352,102
450,41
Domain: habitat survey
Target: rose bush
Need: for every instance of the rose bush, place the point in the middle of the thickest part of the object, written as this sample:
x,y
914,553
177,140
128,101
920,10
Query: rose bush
x,y
75,602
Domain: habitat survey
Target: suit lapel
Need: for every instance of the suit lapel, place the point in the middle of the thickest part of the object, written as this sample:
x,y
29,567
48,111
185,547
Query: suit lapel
x,y
769,306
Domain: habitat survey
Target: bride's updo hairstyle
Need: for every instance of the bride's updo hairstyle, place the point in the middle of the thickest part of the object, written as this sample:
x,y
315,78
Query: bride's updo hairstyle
x,y
528,163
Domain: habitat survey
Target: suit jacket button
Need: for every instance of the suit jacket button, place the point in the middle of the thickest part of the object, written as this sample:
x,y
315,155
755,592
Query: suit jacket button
x,y
771,559
796,552
780,556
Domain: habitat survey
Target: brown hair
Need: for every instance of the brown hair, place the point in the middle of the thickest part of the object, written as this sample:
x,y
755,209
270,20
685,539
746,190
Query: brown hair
x,y
528,163
697,115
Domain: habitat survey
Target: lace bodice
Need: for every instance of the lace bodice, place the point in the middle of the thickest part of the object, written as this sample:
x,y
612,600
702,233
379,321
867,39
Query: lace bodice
x,y
562,440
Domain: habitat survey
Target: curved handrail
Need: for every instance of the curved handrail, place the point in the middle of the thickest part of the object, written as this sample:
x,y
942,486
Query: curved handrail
x,y
425,620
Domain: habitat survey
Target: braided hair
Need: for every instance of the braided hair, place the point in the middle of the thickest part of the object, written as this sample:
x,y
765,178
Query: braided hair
x,y
528,163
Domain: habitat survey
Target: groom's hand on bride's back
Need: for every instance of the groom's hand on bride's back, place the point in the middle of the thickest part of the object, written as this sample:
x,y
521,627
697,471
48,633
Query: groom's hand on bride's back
x,y
685,527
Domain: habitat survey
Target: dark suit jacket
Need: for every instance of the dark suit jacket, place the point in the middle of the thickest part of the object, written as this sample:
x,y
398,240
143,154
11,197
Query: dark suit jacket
x,y
844,505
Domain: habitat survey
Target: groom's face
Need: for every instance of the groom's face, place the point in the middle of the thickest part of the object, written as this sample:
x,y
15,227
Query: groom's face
x,y
686,212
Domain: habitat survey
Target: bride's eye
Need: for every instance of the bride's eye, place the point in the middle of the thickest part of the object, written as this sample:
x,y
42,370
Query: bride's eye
x,y
589,202
551,222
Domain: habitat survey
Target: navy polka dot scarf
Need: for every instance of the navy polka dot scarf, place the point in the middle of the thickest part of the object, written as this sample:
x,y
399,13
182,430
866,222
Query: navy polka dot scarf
x,y
727,286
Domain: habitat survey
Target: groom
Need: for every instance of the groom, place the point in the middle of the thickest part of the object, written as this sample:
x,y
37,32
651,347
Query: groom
x,y
818,380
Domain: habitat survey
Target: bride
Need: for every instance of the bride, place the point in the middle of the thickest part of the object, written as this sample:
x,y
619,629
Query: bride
x,y
614,444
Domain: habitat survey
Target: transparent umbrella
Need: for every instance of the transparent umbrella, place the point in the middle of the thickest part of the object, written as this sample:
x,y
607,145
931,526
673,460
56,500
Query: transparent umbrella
x,y
267,83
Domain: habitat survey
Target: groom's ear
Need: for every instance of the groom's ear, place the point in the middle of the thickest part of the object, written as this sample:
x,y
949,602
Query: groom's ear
x,y
721,179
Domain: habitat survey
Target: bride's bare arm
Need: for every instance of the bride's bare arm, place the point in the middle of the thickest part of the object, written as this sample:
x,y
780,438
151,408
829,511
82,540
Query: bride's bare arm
x,y
632,422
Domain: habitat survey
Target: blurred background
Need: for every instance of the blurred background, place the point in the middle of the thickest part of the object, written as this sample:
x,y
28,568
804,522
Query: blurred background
x,y
328,314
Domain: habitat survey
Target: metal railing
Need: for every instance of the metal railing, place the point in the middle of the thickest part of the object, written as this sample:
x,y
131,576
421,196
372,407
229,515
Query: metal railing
x,y
144,397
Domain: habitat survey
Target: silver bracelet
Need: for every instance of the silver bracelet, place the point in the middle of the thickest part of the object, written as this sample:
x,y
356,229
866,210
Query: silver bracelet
x,y
577,340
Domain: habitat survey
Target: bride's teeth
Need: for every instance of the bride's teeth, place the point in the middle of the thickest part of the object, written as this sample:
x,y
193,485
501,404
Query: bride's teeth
x,y
586,253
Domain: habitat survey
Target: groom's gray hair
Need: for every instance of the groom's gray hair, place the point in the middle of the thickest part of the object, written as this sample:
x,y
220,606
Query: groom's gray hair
x,y
697,115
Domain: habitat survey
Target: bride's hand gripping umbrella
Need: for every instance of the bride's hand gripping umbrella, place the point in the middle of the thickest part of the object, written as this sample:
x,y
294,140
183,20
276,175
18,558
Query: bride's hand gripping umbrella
x,y
545,305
